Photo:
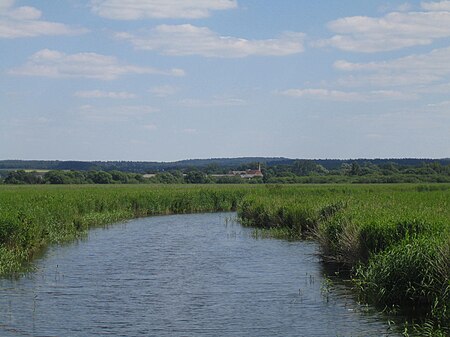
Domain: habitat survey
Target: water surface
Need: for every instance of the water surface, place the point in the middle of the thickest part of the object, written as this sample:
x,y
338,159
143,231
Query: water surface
x,y
182,275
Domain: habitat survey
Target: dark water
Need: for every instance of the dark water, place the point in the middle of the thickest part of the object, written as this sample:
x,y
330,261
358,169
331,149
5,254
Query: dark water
x,y
184,275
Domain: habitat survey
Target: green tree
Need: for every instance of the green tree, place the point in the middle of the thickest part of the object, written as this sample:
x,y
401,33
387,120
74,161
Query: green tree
x,y
307,167
169,178
100,177
119,177
355,169
196,177
56,177
22,177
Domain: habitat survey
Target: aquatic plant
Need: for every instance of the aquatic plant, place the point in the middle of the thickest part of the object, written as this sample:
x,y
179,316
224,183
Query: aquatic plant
x,y
31,217
394,238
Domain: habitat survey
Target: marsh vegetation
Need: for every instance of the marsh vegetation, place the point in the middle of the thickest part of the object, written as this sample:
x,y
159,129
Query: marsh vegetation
x,y
393,240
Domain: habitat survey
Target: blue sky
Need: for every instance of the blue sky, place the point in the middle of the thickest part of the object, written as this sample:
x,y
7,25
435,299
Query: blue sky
x,y
163,80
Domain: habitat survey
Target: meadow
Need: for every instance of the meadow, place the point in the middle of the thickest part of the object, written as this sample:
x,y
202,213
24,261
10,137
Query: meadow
x,y
394,240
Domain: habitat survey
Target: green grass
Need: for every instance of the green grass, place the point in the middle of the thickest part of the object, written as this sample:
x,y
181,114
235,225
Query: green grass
x,y
395,239
32,217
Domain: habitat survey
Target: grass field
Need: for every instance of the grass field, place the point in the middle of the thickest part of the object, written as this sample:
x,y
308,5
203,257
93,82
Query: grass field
x,y
395,239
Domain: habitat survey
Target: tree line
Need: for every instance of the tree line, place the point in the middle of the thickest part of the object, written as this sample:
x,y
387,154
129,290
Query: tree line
x,y
297,171
221,165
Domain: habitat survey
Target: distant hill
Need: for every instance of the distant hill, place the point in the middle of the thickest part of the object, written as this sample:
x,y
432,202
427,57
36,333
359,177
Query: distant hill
x,y
336,163
135,166
223,163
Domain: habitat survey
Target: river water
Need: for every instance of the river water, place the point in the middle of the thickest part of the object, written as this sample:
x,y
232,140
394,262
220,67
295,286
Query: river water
x,y
182,275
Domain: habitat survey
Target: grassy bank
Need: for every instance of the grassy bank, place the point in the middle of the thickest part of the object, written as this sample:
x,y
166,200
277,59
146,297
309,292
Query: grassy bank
x,y
395,239
34,217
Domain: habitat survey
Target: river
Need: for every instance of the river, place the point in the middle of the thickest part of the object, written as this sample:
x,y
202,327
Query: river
x,y
182,275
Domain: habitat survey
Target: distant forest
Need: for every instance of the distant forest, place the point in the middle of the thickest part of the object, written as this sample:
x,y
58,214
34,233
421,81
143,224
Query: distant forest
x,y
222,164
202,171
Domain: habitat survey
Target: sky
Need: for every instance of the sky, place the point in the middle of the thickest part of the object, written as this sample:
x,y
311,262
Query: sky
x,y
165,80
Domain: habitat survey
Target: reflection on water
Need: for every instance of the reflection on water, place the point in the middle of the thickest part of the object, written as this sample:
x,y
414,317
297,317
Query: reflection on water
x,y
183,275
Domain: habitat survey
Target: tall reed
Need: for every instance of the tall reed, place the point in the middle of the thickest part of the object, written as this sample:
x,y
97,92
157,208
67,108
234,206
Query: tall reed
x,y
394,239
32,217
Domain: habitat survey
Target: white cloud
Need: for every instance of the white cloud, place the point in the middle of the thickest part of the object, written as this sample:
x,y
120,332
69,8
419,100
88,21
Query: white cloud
x,y
214,102
189,131
163,90
375,95
439,104
394,31
55,64
26,22
334,95
150,127
27,121
347,96
192,40
442,88
159,9
436,6
117,113
432,67
104,94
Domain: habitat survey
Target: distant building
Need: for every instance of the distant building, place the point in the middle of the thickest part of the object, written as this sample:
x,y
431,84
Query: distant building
x,y
248,174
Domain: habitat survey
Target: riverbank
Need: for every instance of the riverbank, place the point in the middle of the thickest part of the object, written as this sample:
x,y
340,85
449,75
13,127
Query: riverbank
x,y
32,217
183,275
394,239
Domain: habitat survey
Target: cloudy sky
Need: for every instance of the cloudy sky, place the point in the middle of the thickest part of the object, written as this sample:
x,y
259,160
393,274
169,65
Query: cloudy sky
x,y
176,79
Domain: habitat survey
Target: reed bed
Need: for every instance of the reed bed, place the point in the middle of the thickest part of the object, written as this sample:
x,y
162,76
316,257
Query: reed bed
x,y
394,239
32,217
